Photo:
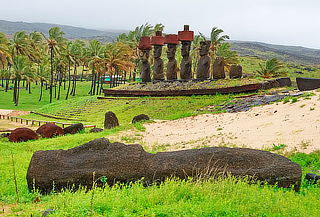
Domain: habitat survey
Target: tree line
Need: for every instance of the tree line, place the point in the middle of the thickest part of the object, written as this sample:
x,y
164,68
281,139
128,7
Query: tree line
x,y
53,62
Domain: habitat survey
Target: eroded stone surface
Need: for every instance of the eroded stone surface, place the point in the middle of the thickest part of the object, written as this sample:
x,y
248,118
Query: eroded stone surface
x,y
126,163
22,135
50,130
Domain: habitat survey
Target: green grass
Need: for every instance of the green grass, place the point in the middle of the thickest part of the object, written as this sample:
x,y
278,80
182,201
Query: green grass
x,y
172,198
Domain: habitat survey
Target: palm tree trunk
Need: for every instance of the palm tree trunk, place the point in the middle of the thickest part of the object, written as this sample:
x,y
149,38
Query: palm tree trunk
x,y
41,89
69,79
18,93
51,78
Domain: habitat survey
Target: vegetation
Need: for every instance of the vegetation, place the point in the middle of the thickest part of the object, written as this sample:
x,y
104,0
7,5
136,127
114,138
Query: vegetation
x,y
271,68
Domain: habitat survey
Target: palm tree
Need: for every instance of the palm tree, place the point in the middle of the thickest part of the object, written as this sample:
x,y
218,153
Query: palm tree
x,y
230,56
43,76
20,44
271,68
5,56
21,70
117,57
94,53
216,39
55,40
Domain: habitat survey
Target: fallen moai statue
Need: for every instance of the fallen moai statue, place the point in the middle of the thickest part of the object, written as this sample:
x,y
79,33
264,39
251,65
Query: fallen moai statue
x,y
126,163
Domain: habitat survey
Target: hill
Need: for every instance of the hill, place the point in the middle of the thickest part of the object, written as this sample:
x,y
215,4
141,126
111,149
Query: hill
x,y
296,54
71,32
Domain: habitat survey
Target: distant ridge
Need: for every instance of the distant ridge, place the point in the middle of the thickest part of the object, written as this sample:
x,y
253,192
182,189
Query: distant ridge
x,y
71,32
296,54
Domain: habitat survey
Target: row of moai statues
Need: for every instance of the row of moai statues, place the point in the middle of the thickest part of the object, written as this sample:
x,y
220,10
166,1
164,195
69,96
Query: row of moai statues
x,y
172,40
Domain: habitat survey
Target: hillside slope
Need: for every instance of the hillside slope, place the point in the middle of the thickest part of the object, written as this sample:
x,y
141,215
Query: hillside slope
x,y
296,54
71,32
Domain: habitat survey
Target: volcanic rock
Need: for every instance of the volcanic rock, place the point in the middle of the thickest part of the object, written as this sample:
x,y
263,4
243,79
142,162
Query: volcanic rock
x,y
22,135
110,120
73,129
96,130
50,130
235,71
121,163
141,117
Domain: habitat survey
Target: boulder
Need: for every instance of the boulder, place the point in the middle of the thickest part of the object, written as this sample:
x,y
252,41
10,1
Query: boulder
x,y
96,130
22,135
50,130
110,120
218,68
312,178
141,117
308,83
235,71
73,129
128,163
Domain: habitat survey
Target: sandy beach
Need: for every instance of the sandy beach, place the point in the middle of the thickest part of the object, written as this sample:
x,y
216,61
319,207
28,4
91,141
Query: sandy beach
x,y
297,125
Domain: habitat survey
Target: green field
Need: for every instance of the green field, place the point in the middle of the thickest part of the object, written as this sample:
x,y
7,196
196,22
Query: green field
x,y
172,198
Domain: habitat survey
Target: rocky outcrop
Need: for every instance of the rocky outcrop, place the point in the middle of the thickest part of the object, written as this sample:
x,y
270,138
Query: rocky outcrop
x,y
96,130
74,128
110,120
22,135
126,163
141,117
50,130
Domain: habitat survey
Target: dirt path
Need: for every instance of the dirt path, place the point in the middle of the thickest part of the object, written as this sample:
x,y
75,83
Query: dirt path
x,y
297,125
9,125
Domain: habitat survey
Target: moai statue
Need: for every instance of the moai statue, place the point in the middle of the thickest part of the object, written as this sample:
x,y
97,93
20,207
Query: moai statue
x,y
235,71
186,37
172,42
218,68
157,41
203,70
145,47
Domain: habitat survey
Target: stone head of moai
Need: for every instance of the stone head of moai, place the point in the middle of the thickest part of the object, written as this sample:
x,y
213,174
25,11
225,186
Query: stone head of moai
x,y
145,47
172,42
204,48
157,41
186,37
218,68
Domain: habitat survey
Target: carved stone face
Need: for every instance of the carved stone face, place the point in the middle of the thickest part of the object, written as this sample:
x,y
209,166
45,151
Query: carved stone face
x,y
171,51
185,49
204,48
144,55
157,51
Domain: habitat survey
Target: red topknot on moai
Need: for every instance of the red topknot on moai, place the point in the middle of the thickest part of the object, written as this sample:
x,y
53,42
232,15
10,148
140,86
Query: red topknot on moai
x,y
172,42
158,41
145,47
186,37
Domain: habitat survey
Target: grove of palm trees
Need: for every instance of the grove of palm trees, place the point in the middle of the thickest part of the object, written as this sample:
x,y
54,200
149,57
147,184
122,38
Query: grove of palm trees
x,y
67,148
51,62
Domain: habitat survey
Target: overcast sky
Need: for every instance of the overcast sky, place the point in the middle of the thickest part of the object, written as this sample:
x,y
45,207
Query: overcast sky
x,y
288,22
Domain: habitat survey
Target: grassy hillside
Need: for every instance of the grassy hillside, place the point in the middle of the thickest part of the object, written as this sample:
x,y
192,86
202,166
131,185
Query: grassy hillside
x,y
71,32
295,54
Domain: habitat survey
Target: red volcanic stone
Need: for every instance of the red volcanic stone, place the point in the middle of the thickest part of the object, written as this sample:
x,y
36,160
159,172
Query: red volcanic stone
x,y
145,43
171,39
22,135
186,35
157,40
50,130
